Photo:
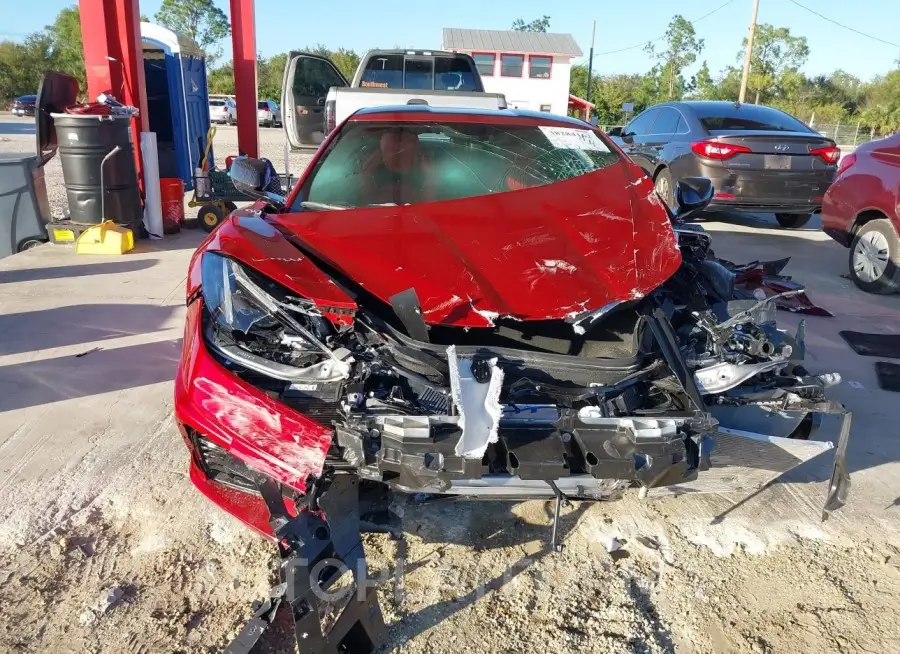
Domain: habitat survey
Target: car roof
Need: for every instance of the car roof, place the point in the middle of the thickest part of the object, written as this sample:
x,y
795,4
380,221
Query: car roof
x,y
416,111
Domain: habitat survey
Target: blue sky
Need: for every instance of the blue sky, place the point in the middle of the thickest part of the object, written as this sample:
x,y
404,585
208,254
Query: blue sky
x,y
360,24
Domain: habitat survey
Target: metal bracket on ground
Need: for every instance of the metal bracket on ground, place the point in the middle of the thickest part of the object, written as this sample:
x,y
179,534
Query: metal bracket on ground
x,y
316,553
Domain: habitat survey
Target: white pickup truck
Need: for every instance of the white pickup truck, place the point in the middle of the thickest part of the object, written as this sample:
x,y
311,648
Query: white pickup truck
x,y
316,97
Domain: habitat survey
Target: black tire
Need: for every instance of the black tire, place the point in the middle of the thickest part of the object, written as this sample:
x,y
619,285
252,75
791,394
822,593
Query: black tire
x,y
792,220
875,245
29,243
662,183
210,216
229,206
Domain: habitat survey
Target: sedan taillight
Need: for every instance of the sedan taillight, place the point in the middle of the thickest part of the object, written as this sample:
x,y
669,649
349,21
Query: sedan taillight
x,y
829,154
846,162
718,151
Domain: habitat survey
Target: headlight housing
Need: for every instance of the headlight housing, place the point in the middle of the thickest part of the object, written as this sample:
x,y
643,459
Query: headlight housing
x,y
260,326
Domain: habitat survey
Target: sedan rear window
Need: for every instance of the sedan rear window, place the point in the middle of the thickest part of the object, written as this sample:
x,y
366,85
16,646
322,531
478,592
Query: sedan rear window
x,y
390,163
216,103
748,117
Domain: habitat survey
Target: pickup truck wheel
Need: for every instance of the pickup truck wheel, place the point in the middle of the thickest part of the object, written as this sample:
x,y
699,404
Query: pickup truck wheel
x,y
792,220
875,258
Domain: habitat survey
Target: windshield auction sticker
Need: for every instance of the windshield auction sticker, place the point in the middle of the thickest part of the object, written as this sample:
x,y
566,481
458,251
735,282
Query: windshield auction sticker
x,y
569,138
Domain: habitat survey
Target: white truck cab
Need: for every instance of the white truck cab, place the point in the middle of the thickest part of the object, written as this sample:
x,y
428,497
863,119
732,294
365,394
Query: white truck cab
x,y
316,97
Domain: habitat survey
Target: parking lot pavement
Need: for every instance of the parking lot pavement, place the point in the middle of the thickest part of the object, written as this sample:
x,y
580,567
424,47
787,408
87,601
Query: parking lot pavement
x,y
874,451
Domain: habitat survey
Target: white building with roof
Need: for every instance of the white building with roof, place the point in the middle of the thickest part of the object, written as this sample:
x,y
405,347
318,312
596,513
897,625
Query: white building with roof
x,y
531,69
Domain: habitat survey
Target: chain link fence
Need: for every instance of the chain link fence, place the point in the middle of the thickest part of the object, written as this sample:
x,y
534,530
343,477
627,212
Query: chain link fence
x,y
850,134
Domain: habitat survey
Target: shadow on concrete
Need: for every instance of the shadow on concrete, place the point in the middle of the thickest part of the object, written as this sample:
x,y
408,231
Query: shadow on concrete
x,y
80,323
764,220
99,371
25,126
186,239
81,270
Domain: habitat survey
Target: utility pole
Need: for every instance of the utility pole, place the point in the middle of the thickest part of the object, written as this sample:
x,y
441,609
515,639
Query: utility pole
x,y
749,51
590,69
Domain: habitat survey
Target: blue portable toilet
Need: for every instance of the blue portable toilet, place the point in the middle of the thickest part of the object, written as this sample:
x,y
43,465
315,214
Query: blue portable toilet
x,y
177,100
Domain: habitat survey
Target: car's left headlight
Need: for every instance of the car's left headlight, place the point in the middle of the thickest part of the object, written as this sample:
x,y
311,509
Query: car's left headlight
x,y
262,327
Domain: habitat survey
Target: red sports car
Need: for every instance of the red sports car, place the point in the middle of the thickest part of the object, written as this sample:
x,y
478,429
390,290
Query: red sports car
x,y
463,302
861,211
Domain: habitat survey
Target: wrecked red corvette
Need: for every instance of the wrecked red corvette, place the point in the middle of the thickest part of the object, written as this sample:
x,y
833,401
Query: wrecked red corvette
x,y
475,303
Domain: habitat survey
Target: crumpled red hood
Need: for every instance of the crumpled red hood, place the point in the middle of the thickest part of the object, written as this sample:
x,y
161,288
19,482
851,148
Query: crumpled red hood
x,y
546,252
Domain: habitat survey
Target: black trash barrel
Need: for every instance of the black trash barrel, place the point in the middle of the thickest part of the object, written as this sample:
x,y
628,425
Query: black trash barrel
x,y
83,143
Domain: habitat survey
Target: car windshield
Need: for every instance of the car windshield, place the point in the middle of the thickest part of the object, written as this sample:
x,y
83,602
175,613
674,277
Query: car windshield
x,y
385,163
216,103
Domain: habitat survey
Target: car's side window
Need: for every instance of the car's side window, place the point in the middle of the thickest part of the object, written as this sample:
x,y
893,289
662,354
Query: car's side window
x,y
666,122
641,124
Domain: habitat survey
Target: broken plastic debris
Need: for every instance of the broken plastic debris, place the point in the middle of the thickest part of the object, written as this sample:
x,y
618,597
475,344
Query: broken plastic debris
x,y
478,404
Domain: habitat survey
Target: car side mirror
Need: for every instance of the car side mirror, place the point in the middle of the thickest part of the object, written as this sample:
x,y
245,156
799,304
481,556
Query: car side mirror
x,y
257,179
615,131
692,196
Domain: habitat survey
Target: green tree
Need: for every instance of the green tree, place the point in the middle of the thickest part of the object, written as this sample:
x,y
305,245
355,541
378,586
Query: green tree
x,y
680,51
775,51
345,60
705,87
881,106
220,81
200,19
23,64
269,75
541,24
66,50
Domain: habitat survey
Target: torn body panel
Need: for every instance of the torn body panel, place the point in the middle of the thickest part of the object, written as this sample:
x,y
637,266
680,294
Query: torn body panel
x,y
539,253
265,433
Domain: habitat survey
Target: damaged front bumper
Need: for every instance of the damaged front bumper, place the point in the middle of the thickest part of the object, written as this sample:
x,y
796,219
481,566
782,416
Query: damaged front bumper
x,y
292,465
595,451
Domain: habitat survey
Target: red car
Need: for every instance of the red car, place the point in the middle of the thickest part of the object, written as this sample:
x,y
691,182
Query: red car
x,y
479,303
861,211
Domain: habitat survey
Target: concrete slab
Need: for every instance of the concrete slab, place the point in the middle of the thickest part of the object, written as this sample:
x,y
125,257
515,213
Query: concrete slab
x,y
88,349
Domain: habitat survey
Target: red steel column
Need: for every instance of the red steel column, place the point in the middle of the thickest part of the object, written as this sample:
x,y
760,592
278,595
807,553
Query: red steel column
x,y
243,40
114,61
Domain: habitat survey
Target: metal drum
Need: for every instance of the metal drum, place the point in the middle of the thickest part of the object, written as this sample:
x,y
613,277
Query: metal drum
x,y
83,143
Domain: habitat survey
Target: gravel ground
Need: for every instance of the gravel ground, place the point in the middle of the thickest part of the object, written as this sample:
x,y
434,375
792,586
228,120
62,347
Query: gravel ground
x,y
149,565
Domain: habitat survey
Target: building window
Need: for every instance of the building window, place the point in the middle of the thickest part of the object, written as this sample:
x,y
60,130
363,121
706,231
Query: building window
x,y
539,67
545,107
485,64
511,65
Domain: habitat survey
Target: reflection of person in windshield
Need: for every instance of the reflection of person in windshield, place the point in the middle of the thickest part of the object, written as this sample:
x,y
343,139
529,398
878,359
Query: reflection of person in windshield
x,y
400,172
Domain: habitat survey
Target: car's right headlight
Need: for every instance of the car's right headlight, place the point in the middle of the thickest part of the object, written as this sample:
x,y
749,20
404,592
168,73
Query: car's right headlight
x,y
266,330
